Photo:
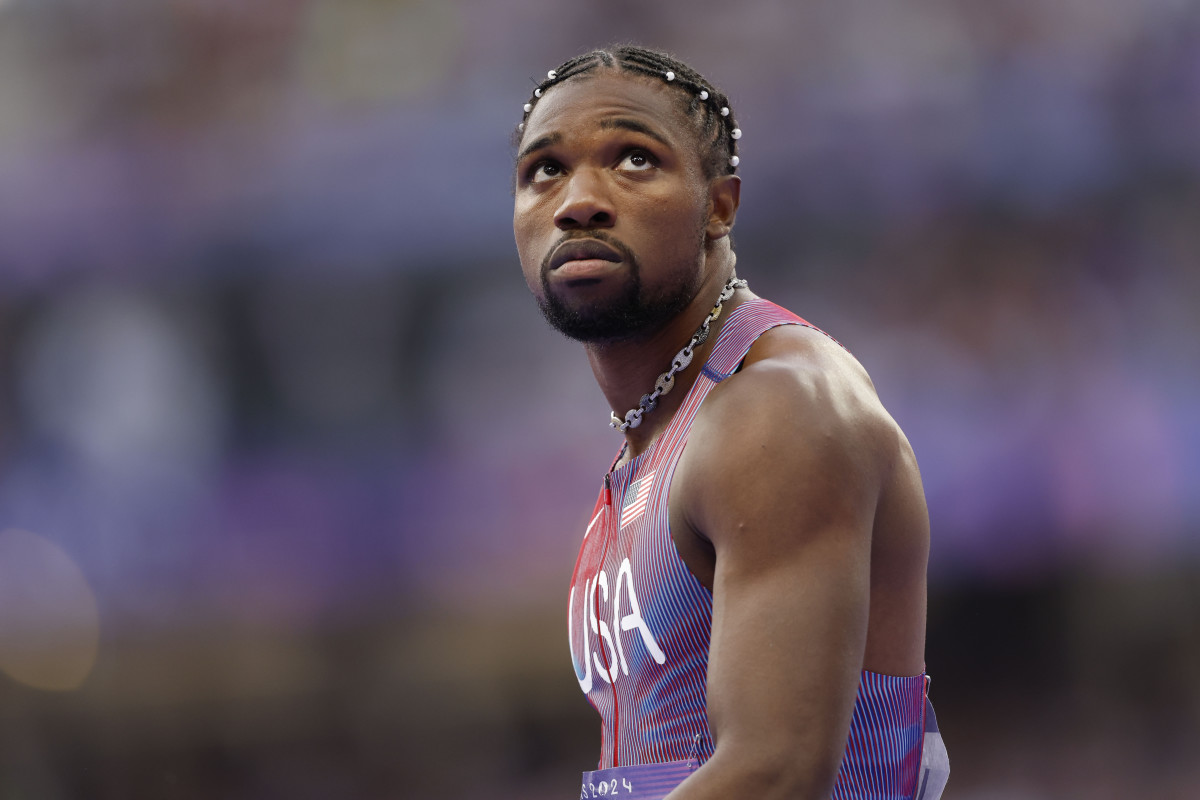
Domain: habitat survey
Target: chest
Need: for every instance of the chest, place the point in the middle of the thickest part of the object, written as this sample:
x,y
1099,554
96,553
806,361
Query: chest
x,y
635,605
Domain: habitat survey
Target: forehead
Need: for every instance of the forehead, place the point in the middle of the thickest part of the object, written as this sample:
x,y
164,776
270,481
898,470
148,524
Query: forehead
x,y
581,104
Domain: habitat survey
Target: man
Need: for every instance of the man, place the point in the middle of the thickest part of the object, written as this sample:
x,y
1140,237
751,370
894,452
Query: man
x,y
747,612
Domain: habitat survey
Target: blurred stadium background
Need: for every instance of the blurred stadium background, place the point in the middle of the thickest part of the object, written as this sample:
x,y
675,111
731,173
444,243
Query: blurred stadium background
x,y
292,475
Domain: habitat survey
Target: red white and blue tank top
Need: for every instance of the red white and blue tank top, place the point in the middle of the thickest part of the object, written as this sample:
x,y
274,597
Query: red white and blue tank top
x,y
640,625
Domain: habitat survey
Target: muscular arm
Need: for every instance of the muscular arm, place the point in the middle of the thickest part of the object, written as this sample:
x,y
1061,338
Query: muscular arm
x,y
782,478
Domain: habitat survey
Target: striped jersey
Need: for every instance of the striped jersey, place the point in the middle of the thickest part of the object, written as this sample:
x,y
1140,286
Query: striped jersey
x,y
640,622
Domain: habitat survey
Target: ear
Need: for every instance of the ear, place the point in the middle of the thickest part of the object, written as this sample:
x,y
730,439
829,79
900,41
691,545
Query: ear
x,y
724,196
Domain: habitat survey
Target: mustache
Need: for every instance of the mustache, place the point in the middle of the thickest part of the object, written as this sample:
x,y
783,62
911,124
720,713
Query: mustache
x,y
600,236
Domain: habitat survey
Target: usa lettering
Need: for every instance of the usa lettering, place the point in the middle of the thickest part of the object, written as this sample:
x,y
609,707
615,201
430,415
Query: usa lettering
x,y
604,646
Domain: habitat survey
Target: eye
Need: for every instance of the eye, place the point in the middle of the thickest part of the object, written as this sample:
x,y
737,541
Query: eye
x,y
637,161
543,171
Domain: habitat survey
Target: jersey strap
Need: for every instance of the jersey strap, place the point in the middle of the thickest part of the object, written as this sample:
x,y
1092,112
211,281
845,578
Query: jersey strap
x,y
746,323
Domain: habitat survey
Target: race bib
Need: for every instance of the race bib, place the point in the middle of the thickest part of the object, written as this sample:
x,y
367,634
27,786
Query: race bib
x,y
639,782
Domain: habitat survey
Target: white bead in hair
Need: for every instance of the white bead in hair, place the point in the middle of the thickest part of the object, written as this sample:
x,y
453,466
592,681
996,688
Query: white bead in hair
x,y
551,74
670,75
521,126
736,133
703,94
724,111
734,161
537,92
528,107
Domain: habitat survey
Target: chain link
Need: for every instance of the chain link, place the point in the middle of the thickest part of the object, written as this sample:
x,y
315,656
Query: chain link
x,y
666,381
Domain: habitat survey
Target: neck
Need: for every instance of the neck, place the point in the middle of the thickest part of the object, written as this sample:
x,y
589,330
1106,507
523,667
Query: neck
x,y
627,370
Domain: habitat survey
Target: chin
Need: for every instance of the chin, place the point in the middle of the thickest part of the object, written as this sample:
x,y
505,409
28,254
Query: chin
x,y
627,318
592,325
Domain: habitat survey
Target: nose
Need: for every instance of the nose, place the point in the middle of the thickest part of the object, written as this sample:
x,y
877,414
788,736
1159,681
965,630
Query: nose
x,y
586,203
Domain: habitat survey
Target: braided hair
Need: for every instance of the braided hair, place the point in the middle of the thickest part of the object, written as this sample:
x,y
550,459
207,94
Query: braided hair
x,y
706,104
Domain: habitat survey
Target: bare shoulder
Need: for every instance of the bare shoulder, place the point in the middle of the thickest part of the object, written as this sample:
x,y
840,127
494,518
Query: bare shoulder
x,y
794,475
801,417
803,368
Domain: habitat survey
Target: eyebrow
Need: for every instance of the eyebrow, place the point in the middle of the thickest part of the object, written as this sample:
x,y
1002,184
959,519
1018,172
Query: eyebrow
x,y
539,143
624,123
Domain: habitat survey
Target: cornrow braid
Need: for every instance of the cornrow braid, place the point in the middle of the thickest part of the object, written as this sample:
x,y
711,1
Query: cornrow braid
x,y
706,104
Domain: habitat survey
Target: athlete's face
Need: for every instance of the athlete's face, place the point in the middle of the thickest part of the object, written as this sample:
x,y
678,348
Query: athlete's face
x,y
612,209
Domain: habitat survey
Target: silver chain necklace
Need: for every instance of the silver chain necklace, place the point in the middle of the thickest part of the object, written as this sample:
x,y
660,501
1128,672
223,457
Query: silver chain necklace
x,y
666,381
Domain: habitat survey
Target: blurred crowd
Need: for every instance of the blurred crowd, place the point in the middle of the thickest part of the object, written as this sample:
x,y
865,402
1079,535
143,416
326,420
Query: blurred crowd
x,y
271,383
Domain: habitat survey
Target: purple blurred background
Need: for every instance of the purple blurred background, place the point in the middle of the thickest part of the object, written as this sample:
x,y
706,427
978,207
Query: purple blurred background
x,y
292,474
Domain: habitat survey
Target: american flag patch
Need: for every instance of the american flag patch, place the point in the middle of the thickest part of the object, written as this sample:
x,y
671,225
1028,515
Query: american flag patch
x,y
636,497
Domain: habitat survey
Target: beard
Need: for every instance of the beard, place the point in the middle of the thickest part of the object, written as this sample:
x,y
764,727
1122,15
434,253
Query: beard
x,y
630,314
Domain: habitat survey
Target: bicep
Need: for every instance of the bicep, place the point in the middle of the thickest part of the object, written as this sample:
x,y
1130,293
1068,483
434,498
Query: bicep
x,y
789,629
788,505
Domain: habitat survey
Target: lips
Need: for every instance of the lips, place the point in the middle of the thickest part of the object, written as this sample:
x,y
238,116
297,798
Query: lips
x,y
583,250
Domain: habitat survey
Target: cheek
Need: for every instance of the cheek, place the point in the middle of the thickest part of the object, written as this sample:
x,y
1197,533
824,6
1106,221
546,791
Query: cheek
x,y
522,230
675,226
532,212
528,248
